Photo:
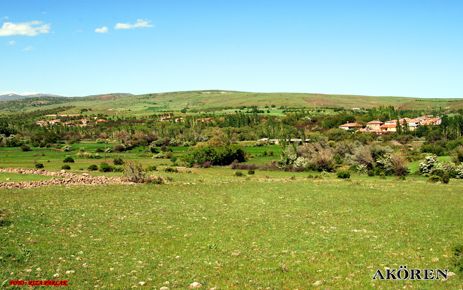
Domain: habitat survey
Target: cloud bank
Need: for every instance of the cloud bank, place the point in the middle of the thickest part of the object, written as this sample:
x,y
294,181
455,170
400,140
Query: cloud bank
x,y
102,29
140,23
31,28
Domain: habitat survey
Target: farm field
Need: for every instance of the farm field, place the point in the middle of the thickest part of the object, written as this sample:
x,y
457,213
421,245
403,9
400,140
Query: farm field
x,y
277,230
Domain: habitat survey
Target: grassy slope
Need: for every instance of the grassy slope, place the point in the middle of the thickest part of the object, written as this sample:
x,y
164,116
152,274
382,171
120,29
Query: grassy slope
x,y
153,103
233,233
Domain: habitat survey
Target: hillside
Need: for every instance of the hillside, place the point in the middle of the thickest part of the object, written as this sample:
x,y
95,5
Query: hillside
x,y
114,104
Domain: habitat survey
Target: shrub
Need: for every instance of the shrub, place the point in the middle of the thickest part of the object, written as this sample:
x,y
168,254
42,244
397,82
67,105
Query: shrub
x,y
224,155
92,167
171,169
428,164
99,150
68,159
239,173
118,161
434,178
133,172
39,165
457,259
459,171
343,174
445,178
154,149
206,164
151,168
398,165
434,149
66,167
4,218
155,180
25,148
105,167
118,169
119,148
251,172
173,159
458,155
243,166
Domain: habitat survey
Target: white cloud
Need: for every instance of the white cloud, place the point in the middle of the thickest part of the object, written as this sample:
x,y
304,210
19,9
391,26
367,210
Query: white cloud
x,y
11,42
141,23
31,28
102,29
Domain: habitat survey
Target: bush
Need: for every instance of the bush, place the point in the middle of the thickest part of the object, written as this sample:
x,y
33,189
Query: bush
x,y
239,173
151,168
133,172
154,149
118,169
458,155
39,165
119,148
118,161
99,150
243,166
155,180
223,155
428,164
105,167
66,167
398,165
68,159
171,169
457,259
433,149
343,174
25,148
92,167
251,172
445,178
434,178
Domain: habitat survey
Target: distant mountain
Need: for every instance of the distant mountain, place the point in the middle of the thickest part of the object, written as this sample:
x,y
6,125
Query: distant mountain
x,y
16,96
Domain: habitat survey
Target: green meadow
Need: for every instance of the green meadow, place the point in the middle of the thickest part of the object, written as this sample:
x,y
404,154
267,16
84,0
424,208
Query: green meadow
x,y
268,230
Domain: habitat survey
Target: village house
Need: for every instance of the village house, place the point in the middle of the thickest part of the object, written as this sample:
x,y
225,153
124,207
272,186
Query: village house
x,y
351,126
374,125
390,126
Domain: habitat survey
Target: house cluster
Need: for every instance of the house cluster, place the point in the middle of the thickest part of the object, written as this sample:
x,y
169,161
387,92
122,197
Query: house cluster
x,y
64,120
390,126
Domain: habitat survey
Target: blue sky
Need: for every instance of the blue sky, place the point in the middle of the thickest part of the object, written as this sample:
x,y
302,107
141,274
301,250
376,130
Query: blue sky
x,y
401,48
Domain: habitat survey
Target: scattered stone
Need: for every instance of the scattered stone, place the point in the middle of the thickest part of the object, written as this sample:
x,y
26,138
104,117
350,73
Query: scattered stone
x,y
164,288
317,283
59,178
195,285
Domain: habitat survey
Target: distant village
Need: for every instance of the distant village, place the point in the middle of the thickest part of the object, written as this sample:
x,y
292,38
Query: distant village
x,y
77,120
390,126
69,120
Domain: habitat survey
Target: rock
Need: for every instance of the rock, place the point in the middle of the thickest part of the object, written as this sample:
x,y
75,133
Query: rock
x,y
195,285
164,288
317,283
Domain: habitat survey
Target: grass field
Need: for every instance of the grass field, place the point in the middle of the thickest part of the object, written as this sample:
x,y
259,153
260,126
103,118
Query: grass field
x,y
270,230
266,231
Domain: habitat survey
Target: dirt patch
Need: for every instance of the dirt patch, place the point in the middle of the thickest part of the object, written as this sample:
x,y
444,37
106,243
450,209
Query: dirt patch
x,y
59,178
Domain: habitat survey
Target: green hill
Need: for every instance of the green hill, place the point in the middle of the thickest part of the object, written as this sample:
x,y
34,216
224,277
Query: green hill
x,y
113,104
